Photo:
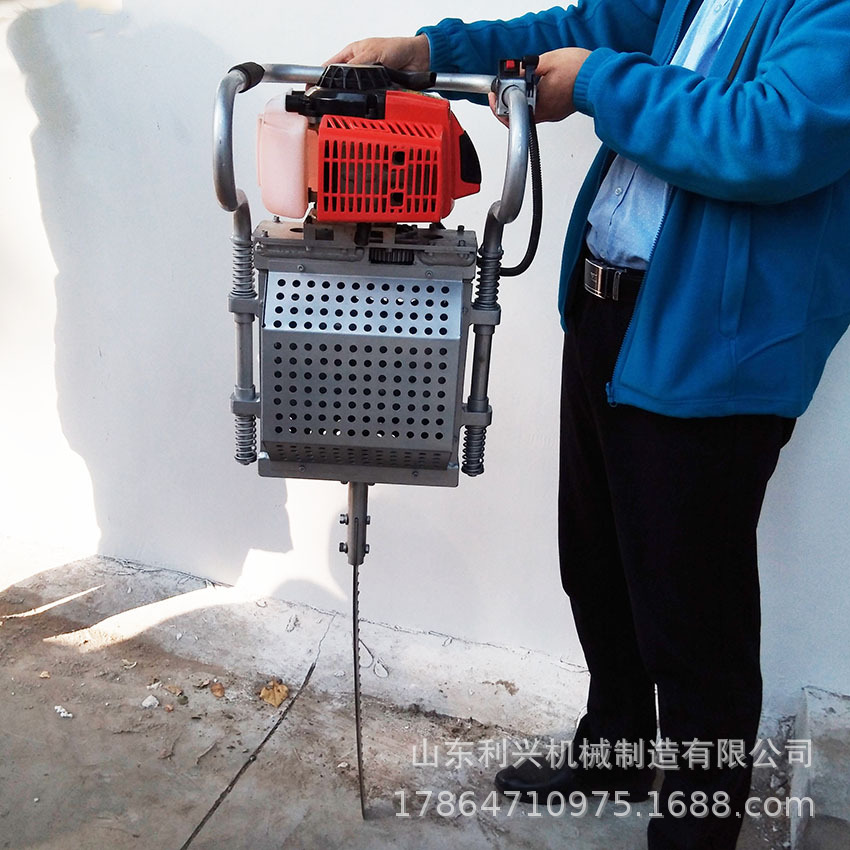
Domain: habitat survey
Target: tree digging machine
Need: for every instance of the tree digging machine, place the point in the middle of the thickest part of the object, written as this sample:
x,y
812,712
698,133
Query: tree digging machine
x,y
363,299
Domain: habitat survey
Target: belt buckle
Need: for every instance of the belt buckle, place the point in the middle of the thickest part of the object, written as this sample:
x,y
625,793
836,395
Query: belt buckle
x,y
602,281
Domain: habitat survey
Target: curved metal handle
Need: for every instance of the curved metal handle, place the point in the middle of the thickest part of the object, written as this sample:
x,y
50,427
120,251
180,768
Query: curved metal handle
x,y
223,176
507,209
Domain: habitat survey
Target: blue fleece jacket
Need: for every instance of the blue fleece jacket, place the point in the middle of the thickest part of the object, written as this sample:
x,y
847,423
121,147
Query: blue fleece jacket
x,y
748,287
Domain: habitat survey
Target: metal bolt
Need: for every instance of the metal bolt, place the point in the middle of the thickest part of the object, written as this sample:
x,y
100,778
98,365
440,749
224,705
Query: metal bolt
x,y
415,473
461,243
343,519
302,468
343,547
266,233
368,520
366,549
429,274
300,267
277,219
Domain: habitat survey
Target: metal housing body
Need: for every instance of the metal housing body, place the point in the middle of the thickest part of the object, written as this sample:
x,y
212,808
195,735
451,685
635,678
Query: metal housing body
x,y
363,339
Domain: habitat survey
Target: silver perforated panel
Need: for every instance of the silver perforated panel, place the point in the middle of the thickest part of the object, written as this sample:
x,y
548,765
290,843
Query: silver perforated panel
x,y
361,372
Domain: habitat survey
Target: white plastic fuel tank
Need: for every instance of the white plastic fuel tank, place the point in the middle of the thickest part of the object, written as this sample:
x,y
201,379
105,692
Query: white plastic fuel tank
x,y
282,159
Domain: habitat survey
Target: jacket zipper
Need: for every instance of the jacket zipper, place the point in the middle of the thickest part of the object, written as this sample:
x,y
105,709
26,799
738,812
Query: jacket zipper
x,y
609,387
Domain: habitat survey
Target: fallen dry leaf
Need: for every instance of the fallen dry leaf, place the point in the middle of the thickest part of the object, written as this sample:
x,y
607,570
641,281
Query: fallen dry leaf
x,y
44,675
174,690
169,708
128,665
274,693
217,689
202,685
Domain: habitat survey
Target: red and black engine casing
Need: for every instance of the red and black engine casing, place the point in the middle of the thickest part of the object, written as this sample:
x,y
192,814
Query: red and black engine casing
x,y
382,154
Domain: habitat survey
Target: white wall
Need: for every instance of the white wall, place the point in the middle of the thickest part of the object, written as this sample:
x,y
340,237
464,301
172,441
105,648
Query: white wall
x,y
118,351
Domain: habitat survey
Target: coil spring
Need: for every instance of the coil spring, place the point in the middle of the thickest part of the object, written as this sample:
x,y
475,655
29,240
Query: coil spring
x,y
246,439
473,450
243,268
487,291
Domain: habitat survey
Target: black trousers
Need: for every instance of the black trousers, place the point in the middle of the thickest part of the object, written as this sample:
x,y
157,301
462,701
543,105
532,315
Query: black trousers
x,y
657,534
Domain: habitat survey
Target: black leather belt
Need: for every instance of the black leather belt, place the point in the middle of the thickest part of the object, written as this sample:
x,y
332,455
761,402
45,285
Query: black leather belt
x,y
612,282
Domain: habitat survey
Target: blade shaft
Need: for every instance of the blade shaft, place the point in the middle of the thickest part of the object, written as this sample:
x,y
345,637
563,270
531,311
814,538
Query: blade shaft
x,y
358,499
355,595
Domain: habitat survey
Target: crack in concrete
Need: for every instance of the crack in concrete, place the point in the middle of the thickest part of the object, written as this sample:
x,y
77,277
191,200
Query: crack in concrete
x,y
332,620
255,754
135,567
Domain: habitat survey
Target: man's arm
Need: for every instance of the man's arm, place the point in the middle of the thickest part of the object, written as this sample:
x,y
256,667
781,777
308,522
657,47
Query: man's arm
x,y
770,139
623,25
456,47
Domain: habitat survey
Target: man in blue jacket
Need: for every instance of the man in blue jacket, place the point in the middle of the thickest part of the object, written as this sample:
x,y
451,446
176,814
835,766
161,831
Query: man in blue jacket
x,y
704,283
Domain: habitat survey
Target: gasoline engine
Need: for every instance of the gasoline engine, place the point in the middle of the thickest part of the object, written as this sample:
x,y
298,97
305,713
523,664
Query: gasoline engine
x,y
364,300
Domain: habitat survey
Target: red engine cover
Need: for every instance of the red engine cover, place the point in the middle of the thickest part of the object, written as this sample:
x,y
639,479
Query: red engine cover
x,y
404,168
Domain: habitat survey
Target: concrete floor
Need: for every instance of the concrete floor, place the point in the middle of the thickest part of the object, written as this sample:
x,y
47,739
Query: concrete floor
x,y
202,770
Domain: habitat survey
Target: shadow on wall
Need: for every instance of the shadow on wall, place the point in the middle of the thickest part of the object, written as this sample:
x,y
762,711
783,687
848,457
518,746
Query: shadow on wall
x,y
144,343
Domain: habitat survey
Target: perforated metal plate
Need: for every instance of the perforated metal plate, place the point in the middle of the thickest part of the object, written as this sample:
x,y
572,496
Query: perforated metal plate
x,y
362,372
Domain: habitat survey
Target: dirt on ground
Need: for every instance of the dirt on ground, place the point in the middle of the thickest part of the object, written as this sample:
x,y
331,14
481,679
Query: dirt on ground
x,y
107,744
